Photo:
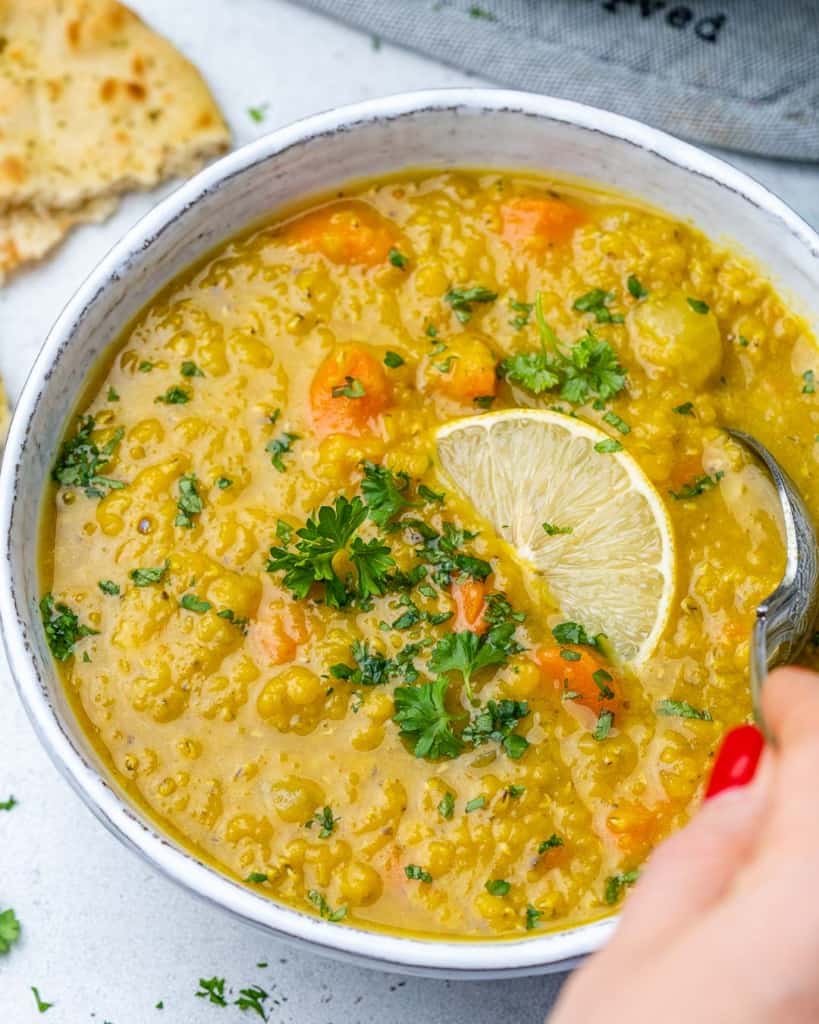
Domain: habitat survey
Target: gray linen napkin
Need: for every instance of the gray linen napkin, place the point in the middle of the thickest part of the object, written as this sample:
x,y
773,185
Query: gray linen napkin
x,y
742,74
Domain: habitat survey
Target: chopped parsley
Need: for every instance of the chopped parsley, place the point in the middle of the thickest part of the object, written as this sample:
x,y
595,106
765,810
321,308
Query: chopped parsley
x,y
351,388
476,11
190,369
498,887
475,804
42,1005
608,446
192,603
467,653
373,668
615,421
601,679
574,633
484,401
514,791
81,460
417,874
397,258
686,409
533,916
496,723
568,655
443,551
523,310
636,290
462,300
552,843
698,306
329,531
324,909
589,369
809,387
616,884
9,930
259,113
190,504
446,807
212,989
257,878
7,805
393,360
421,715
699,485
145,366
554,531
109,587
279,447
145,577
682,709
224,482
113,395
429,495
63,628
605,720
174,396
384,493
596,302
325,820
253,998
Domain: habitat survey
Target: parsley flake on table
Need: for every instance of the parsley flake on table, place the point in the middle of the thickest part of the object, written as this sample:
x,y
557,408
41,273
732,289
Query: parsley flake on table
x,y
397,258
463,299
63,628
597,302
421,715
699,485
446,807
279,447
324,908
9,930
351,388
384,493
682,709
417,874
212,989
498,887
80,460
636,290
467,652
325,820
42,1005
7,805
478,12
588,370
616,884
146,576
174,396
253,998
552,843
258,113
190,503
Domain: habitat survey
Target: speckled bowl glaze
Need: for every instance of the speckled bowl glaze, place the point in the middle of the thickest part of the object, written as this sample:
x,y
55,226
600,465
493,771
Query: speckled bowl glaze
x,y
427,129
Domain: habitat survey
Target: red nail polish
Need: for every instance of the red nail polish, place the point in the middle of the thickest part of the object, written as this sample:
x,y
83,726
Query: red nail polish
x,y
737,759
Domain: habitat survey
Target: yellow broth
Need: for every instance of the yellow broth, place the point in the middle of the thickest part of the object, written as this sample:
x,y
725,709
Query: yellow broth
x,y
226,716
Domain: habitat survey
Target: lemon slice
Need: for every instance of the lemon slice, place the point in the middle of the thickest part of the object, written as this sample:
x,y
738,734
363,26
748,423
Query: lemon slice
x,y
614,572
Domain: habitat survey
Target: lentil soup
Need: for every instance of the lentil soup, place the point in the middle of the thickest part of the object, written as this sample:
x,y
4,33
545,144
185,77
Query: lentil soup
x,y
309,657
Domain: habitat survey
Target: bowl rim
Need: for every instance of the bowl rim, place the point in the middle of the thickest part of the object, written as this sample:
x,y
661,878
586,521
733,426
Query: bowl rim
x,y
442,957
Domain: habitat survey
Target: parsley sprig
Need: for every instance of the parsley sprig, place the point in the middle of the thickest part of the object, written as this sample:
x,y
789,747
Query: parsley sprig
x,y
81,461
468,653
589,370
421,715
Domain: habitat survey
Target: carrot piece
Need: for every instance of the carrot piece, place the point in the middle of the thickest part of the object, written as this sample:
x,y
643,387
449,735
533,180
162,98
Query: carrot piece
x,y
539,221
349,390
688,468
346,232
279,635
586,677
470,604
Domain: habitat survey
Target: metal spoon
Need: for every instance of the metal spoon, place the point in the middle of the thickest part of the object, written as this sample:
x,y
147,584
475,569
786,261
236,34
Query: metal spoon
x,y
786,618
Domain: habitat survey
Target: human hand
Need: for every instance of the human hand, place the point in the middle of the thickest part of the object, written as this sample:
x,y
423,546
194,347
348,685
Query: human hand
x,y
723,925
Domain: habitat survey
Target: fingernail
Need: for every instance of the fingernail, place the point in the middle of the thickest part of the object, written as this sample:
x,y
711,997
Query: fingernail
x,y
737,759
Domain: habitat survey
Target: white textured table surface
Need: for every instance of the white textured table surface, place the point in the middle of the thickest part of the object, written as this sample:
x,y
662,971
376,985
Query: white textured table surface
x,y
105,938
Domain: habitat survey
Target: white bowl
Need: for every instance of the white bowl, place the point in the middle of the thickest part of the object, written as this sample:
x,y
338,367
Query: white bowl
x,y
473,128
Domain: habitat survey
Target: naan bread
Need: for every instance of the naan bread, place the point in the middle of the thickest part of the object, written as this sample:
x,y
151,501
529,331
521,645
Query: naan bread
x,y
27,235
94,103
